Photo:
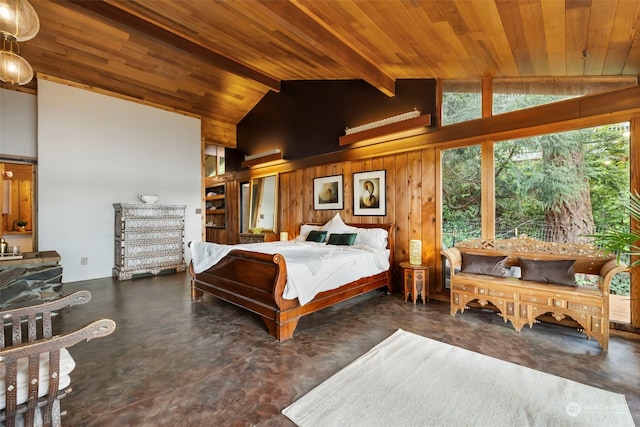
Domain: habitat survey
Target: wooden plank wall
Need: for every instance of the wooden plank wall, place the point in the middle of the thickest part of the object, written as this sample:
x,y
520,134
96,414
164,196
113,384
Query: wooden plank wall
x,y
411,201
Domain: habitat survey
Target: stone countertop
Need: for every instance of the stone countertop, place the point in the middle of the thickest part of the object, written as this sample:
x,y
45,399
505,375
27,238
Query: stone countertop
x,y
32,258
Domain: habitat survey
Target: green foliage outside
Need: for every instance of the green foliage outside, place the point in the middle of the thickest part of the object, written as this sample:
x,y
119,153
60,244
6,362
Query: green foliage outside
x,y
558,187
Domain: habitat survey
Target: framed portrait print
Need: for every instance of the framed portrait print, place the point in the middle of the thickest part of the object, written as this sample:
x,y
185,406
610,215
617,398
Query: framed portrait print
x,y
370,193
328,193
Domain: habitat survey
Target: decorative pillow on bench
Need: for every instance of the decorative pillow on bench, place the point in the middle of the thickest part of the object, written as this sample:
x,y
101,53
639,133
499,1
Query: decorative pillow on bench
x,y
483,264
553,272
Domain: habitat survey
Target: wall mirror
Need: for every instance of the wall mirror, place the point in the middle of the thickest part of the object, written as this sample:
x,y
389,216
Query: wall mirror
x,y
263,205
245,204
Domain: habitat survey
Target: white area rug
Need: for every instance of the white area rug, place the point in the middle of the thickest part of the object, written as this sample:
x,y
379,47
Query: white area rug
x,y
409,380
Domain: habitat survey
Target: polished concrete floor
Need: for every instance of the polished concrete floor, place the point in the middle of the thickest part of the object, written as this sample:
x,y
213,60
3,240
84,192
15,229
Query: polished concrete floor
x,y
172,362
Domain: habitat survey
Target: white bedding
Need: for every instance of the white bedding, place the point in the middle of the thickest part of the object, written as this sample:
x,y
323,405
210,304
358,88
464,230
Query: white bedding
x,y
311,267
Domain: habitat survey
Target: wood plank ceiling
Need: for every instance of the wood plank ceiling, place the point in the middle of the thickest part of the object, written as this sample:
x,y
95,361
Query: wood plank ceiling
x,y
217,59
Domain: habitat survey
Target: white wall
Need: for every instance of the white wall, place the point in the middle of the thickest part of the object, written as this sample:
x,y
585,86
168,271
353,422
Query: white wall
x,y
95,150
18,118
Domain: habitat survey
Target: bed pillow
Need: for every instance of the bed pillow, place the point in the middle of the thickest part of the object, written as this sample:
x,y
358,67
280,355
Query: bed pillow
x,y
305,229
316,236
344,239
336,225
373,237
553,272
483,264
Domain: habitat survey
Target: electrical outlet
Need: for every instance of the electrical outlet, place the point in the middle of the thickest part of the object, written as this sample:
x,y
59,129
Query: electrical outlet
x,y
84,260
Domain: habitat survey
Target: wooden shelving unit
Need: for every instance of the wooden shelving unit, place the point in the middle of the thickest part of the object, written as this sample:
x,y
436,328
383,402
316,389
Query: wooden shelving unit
x,y
215,206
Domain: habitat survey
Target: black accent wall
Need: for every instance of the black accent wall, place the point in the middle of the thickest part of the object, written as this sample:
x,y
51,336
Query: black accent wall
x,y
306,118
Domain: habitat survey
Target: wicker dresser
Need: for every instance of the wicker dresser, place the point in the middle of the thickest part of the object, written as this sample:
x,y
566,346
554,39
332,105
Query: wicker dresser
x,y
149,239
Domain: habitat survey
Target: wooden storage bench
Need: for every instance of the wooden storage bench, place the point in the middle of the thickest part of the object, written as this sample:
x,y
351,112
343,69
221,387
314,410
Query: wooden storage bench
x,y
522,301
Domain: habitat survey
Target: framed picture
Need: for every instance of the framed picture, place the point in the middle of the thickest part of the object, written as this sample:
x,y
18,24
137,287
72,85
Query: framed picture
x,y
328,193
370,193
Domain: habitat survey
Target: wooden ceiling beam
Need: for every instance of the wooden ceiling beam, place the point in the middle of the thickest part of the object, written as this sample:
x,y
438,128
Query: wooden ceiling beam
x,y
119,14
302,24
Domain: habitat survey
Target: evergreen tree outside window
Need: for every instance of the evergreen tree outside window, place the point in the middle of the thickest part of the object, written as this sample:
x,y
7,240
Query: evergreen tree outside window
x,y
461,194
461,101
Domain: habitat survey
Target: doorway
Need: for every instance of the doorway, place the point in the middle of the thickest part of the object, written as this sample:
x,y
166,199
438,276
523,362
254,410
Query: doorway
x,y
18,209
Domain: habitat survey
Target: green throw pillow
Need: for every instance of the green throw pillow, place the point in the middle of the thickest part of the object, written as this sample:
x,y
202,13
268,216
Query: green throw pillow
x,y
316,236
345,239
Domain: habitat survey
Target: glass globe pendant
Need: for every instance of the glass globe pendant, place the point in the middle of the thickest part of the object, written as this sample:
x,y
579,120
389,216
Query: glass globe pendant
x,y
14,69
18,20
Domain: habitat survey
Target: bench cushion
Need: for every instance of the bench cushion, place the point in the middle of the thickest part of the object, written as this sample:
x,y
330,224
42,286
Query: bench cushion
x,y
483,264
558,272
66,366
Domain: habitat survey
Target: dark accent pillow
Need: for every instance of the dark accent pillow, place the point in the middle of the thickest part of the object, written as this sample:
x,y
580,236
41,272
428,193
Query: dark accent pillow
x,y
345,239
483,264
553,272
316,236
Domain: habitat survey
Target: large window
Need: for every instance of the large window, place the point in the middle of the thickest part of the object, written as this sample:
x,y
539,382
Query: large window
x,y
561,187
516,94
505,102
461,101
565,186
460,195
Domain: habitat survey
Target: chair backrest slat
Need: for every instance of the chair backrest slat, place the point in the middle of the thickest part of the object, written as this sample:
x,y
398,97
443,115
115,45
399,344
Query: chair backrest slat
x,y
37,318
40,341
34,384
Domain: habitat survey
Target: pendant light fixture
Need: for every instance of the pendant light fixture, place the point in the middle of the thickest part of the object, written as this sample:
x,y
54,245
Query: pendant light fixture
x,y
14,69
18,22
18,19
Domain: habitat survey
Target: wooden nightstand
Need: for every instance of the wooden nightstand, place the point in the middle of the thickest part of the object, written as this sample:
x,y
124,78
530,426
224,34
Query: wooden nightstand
x,y
258,238
416,281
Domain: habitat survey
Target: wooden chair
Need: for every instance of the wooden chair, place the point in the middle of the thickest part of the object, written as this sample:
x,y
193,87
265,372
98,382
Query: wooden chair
x,y
34,365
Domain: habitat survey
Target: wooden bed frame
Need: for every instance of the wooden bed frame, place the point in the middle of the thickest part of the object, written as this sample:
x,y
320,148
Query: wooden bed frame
x,y
256,282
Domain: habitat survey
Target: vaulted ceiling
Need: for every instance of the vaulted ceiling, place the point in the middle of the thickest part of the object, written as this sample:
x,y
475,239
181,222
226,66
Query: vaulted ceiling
x,y
217,59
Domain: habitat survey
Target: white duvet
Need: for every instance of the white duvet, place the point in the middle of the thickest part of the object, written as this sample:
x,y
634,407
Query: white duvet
x,y
311,267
